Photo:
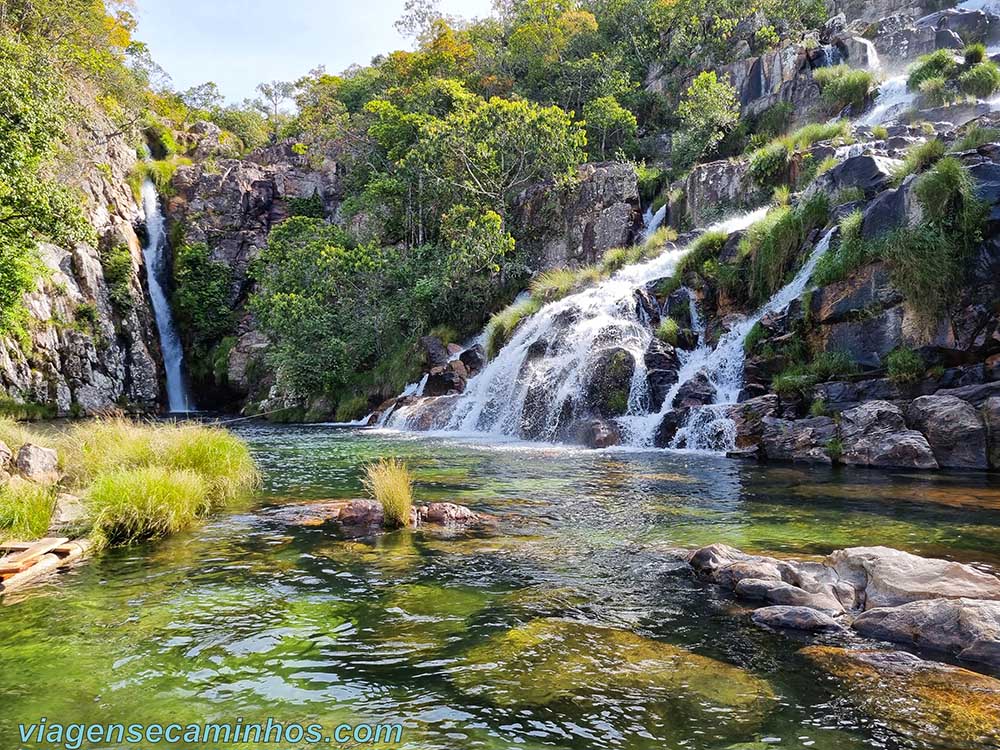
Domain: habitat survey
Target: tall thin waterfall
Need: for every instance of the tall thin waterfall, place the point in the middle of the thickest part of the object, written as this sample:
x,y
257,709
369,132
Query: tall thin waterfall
x,y
155,254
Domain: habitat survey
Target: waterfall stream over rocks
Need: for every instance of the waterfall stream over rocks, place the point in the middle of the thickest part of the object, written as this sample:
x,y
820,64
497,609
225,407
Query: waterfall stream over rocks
x,y
155,254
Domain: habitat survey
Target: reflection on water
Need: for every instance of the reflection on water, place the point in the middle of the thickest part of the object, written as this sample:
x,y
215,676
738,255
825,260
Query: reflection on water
x,y
553,633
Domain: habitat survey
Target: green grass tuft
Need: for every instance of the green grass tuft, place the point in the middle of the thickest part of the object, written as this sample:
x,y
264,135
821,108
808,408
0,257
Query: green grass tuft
x,y
502,325
905,366
25,510
842,86
668,331
918,158
389,482
974,54
132,505
974,137
934,92
981,81
939,64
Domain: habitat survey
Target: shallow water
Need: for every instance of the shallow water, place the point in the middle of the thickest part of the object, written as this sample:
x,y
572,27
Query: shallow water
x,y
541,635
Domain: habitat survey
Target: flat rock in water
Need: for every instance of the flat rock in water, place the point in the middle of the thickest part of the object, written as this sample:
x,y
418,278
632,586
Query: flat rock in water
x,y
551,661
967,628
933,704
890,577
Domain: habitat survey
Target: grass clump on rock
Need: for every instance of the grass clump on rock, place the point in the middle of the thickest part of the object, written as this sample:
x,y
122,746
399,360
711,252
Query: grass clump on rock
x,y
920,157
389,482
502,325
905,366
843,86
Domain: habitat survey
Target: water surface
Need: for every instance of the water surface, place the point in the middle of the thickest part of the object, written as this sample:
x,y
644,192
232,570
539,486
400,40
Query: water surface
x,y
539,635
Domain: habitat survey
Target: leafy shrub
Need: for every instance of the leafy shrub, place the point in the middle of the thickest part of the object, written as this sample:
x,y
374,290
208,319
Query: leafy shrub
x,y
981,81
842,86
389,482
668,331
201,304
131,505
939,64
116,260
25,510
769,164
905,366
919,157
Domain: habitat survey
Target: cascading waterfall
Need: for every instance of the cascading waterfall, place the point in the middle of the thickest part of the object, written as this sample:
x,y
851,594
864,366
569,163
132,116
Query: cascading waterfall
x,y
533,386
155,254
537,385
653,222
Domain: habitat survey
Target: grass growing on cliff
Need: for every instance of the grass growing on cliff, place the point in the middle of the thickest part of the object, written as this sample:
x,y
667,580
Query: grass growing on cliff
x,y
852,253
668,331
980,81
939,64
25,510
389,482
905,366
842,86
974,137
769,164
918,158
800,379
502,325
553,285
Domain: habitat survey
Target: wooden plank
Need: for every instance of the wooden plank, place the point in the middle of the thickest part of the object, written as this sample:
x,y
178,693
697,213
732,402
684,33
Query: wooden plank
x,y
45,564
35,550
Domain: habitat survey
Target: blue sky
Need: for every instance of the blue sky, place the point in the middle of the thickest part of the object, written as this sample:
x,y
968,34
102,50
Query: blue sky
x,y
239,43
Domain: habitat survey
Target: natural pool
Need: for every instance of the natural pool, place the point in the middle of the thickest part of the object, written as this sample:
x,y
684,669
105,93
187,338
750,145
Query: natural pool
x,y
551,633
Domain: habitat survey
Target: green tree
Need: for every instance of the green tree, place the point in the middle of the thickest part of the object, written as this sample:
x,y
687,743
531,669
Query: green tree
x,y
707,112
610,127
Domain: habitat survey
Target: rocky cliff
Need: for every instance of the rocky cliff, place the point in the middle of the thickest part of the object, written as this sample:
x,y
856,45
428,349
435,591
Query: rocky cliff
x,y
91,346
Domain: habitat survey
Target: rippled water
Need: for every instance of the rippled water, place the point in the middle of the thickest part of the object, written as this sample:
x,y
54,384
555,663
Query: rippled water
x,y
542,635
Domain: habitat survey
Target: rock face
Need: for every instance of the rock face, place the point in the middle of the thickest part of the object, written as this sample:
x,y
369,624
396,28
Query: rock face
x,y
869,173
954,429
88,354
890,578
711,190
575,227
968,628
875,434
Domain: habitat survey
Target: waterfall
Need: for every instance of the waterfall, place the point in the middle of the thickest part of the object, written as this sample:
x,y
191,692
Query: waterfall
x,y
653,222
724,365
534,385
155,254
893,98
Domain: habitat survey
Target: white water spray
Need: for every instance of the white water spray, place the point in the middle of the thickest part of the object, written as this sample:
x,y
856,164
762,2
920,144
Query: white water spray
x,y
155,254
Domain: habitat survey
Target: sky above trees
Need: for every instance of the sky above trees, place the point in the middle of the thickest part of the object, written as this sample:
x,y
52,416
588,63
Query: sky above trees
x,y
239,43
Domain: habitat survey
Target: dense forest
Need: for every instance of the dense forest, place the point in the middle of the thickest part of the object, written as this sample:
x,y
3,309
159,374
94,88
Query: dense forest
x,y
437,143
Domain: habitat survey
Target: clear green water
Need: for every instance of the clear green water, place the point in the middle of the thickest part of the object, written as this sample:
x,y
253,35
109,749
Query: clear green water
x,y
551,633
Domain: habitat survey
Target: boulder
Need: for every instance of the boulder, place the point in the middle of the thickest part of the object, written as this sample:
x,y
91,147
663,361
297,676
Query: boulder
x,y
450,514
967,23
749,419
759,568
433,352
795,618
698,391
366,513
611,382
671,424
443,381
890,578
870,173
991,415
37,464
68,512
6,454
707,561
954,430
474,359
966,628
804,440
714,187
779,592
875,434
662,368
891,209
896,35
601,433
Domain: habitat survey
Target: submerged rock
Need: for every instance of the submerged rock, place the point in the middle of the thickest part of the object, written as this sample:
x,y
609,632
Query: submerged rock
x,y
550,661
933,704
